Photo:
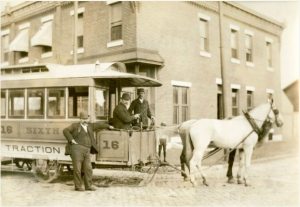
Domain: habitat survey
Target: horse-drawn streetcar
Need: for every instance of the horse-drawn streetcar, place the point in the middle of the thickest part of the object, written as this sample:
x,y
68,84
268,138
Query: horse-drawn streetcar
x,y
39,101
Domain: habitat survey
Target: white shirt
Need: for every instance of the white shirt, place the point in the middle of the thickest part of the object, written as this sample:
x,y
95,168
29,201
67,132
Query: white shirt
x,y
141,100
84,127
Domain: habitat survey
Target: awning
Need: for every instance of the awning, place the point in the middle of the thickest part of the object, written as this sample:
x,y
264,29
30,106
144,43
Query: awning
x,y
43,36
20,43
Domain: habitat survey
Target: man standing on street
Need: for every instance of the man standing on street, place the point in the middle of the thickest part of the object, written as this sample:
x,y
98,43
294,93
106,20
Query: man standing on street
x,y
81,135
141,106
121,117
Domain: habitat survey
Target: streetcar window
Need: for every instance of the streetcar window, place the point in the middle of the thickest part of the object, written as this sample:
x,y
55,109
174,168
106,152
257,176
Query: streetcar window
x,y
78,100
16,103
101,104
3,104
56,103
35,103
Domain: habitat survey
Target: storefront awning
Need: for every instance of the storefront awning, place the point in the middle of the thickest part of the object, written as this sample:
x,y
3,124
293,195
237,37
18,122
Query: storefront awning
x,y
43,36
20,43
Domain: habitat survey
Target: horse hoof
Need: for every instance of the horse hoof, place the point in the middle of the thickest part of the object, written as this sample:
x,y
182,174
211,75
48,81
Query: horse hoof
x,y
247,184
195,184
240,182
231,180
205,183
186,179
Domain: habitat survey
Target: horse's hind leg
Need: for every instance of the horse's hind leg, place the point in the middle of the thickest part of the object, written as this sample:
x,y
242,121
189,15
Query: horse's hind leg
x,y
241,166
230,165
183,162
199,163
196,161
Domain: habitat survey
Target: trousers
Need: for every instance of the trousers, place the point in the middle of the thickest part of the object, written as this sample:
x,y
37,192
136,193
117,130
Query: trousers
x,y
81,162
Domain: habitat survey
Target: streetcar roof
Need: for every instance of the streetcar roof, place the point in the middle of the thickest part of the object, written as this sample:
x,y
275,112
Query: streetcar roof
x,y
113,70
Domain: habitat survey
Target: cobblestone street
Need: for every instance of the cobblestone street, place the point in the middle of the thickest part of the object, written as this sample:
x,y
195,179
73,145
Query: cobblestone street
x,y
274,182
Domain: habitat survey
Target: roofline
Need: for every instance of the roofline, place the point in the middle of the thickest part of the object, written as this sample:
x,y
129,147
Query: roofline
x,y
25,66
247,9
19,6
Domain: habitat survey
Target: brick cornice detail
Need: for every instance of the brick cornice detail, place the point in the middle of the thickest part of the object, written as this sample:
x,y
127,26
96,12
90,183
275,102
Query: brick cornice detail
x,y
230,11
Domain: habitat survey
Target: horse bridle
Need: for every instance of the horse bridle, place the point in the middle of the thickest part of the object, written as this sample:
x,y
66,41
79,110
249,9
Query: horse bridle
x,y
275,111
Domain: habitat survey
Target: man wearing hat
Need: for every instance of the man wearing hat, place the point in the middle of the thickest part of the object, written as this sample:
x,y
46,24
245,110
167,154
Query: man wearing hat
x,y
121,117
81,135
141,106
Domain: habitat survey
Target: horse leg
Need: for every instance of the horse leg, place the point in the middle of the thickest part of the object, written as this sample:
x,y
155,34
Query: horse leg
x,y
193,163
241,166
248,155
182,163
230,165
200,155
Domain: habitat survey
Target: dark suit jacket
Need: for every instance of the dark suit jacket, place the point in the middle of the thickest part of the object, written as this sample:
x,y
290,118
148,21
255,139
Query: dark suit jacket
x,y
122,118
137,107
73,132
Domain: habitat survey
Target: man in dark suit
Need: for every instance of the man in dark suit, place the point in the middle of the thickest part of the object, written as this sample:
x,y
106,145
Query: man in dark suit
x,y
121,117
141,106
81,135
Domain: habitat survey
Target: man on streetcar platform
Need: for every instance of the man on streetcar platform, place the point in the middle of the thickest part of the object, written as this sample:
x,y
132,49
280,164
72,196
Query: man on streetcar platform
x,y
121,117
81,135
142,107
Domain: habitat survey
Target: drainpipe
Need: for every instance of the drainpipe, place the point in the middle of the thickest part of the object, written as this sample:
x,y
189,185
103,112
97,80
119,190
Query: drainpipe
x,y
224,94
75,33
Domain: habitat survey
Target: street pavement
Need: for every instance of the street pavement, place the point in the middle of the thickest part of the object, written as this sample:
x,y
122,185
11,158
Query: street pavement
x,y
275,182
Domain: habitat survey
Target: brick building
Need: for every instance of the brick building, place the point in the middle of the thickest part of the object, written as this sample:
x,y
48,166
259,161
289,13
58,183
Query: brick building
x,y
177,43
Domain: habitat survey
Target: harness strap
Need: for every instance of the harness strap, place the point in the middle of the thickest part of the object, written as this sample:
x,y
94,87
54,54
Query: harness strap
x,y
252,123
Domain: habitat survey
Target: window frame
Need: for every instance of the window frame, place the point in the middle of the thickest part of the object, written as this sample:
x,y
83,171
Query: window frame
x,y
47,104
235,33
235,91
117,23
180,105
42,103
24,107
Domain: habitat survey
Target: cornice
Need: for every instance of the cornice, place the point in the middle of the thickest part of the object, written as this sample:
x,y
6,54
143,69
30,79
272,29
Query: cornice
x,y
242,14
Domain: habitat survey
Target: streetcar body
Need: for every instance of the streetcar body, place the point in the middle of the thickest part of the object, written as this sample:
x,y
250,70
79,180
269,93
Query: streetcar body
x,y
39,101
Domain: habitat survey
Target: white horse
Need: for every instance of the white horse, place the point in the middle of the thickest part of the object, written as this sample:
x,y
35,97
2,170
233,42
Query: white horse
x,y
228,134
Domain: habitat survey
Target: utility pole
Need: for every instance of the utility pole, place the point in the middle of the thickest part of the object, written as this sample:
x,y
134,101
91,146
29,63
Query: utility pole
x,y
224,94
75,33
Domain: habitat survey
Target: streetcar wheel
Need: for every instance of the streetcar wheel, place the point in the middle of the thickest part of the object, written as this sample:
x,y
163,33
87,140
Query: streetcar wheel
x,y
44,170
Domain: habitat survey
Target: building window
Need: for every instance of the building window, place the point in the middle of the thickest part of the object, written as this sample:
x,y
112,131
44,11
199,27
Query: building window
x,y
180,104
249,48
234,44
23,55
35,103
5,46
56,103
16,104
249,100
80,31
203,35
269,54
235,102
3,103
116,21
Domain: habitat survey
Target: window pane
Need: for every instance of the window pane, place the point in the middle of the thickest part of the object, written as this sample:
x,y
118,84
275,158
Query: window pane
x,y
78,101
5,43
80,25
234,98
203,28
3,103
175,95
184,113
116,32
80,41
116,12
184,96
202,44
249,99
56,102
233,39
35,102
234,112
16,103
248,41
101,103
